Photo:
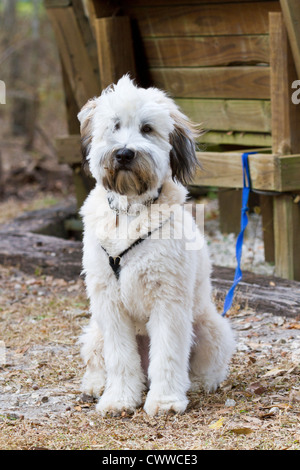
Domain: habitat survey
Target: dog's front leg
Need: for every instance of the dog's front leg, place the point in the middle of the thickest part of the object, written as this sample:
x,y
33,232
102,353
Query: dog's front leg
x,y
170,331
124,376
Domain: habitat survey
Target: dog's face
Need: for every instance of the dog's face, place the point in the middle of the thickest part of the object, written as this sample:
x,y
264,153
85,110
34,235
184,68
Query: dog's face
x,y
133,138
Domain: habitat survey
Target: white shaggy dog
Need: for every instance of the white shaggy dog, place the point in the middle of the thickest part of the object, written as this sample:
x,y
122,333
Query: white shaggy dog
x,y
147,290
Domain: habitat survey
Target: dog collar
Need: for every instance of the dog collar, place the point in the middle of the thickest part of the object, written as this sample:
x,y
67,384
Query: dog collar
x,y
147,203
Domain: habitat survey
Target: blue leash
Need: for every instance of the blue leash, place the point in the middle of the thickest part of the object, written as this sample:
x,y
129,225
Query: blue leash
x,y
244,222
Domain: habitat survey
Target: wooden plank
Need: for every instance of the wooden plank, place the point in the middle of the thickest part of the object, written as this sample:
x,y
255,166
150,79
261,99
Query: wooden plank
x,y
268,172
286,232
68,149
285,115
83,184
224,170
87,33
229,115
214,82
77,63
289,167
245,139
205,51
291,15
91,13
115,49
206,19
72,108
279,57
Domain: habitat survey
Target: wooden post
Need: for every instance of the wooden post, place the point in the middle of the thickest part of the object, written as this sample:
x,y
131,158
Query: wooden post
x,y
115,49
286,139
287,230
72,108
78,55
266,208
285,115
77,62
291,15
230,203
83,183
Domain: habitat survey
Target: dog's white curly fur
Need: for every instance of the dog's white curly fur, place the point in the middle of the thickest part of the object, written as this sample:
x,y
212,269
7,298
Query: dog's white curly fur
x,y
164,290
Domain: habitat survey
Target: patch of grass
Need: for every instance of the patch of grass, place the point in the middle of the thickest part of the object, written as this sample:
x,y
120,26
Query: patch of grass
x,y
26,8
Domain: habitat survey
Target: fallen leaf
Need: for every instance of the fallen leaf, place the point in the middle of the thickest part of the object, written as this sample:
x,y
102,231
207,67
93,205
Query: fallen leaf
x,y
243,430
22,350
276,372
217,424
257,388
294,326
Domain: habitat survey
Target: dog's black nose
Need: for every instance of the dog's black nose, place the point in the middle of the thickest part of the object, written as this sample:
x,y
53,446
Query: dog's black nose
x,y
124,155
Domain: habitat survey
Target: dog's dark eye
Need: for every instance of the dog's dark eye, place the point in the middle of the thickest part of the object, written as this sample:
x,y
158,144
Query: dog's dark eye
x,y
146,129
117,125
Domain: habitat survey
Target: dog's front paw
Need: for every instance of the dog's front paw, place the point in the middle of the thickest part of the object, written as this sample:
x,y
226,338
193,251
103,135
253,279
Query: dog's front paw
x,y
112,405
93,382
160,405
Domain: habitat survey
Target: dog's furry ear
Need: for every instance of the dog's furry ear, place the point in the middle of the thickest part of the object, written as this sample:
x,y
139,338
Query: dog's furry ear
x,y
183,159
85,118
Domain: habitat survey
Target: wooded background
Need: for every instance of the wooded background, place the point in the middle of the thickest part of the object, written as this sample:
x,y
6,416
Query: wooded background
x,y
35,107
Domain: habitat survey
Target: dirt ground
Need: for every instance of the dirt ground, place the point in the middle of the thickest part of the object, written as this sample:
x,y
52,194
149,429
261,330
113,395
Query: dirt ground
x,y
41,406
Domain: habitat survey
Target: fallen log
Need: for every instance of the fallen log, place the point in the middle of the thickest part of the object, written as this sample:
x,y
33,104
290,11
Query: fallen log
x,y
26,244
41,254
261,293
50,221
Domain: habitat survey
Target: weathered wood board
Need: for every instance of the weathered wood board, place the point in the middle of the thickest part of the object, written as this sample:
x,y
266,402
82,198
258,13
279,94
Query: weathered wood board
x,y
269,172
214,52
202,19
228,115
205,51
214,82
225,170
77,62
115,49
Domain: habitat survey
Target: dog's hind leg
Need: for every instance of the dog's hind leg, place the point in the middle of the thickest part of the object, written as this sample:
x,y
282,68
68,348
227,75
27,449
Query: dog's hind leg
x,y
91,341
212,350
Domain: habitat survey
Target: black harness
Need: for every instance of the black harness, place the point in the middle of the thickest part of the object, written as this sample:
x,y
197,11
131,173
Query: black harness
x,y
114,262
